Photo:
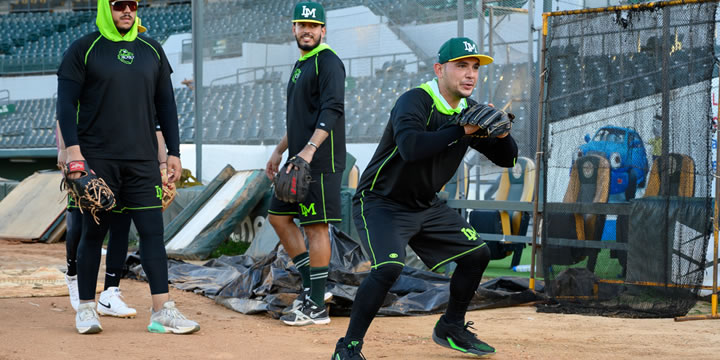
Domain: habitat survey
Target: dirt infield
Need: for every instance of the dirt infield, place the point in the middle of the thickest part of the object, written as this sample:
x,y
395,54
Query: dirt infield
x,y
43,328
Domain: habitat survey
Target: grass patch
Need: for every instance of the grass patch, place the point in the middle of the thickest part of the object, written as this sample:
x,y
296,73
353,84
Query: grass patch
x,y
501,267
230,248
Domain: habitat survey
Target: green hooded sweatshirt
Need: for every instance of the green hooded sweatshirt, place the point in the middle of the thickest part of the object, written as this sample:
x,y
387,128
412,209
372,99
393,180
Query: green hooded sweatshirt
x,y
105,24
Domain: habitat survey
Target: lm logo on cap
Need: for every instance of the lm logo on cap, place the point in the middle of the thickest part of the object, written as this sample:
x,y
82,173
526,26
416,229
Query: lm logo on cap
x,y
307,12
470,47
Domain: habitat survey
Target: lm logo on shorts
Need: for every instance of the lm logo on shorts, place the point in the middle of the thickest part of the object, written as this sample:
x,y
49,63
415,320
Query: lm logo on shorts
x,y
306,13
470,233
308,209
296,75
158,192
125,56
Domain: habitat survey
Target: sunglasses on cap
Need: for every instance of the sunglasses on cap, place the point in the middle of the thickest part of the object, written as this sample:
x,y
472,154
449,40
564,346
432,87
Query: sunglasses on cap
x,y
122,4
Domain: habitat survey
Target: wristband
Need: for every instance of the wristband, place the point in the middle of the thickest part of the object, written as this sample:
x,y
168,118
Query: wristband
x,y
312,144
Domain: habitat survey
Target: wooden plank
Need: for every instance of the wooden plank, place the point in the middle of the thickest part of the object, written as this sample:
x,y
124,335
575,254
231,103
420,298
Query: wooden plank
x,y
32,207
56,234
179,221
210,210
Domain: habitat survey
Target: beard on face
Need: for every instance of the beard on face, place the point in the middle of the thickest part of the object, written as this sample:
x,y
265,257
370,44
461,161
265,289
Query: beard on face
x,y
123,28
309,47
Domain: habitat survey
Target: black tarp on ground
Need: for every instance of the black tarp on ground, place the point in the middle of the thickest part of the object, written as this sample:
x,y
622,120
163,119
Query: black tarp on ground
x,y
271,283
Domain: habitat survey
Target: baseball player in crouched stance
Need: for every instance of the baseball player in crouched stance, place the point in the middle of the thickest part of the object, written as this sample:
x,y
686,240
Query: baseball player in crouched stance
x,y
396,204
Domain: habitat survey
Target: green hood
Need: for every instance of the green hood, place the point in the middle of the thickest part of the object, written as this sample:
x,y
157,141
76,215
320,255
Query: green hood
x,y
107,27
431,87
316,50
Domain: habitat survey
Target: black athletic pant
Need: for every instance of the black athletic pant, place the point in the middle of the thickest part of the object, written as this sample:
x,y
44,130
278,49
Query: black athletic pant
x,y
73,221
117,249
374,288
149,224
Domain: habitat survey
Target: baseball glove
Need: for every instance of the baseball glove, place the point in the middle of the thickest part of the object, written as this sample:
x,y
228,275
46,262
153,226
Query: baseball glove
x,y
292,187
89,191
168,190
492,122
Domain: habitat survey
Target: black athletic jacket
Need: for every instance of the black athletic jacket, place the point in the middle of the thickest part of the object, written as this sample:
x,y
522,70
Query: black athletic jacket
x,y
419,151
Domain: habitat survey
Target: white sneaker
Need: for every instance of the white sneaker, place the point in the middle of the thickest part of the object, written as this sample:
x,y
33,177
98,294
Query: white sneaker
x,y
86,319
111,304
300,299
72,284
169,319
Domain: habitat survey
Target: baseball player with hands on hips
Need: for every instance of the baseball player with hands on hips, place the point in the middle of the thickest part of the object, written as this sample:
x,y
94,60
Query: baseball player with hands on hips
x,y
430,129
307,187
112,84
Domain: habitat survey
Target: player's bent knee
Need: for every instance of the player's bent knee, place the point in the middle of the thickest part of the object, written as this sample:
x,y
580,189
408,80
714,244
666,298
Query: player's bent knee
x,y
280,221
476,259
387,273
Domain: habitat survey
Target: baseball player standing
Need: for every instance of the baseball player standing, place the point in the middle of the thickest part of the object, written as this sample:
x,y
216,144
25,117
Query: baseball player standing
x,y
111,85
316,133
396,203
111,302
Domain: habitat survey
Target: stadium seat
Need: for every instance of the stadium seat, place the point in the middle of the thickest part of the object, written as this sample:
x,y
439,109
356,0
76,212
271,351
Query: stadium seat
x,y
589,183
682,184
682,176
516,184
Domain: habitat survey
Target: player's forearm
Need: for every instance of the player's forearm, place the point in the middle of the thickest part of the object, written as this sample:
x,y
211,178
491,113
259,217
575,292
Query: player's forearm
x,y
501,151
317,138
162,154
59,138
167,116
67,111
73,153
282,146
418,145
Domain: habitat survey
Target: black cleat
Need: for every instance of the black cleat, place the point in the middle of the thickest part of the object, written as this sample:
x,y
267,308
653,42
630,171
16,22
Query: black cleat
x,y
458,337
348,350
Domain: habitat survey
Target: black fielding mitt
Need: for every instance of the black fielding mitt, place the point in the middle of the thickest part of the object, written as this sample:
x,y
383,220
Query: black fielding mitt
x,y
293,186
90,192
492,122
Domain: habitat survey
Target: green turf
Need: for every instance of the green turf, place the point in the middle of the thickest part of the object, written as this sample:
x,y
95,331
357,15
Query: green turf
x,y
606,268
498,268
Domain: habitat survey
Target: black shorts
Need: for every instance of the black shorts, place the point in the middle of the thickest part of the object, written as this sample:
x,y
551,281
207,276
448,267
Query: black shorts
x,y
322,204
437,234
137,184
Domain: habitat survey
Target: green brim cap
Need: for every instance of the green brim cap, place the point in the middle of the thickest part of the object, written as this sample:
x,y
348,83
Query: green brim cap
x,y
461,48
309,12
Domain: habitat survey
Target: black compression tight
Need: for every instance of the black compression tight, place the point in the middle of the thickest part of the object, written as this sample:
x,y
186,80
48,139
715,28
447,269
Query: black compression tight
x,y
89,253
371,293
153,257
464,282
369,298
117,249
73,220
